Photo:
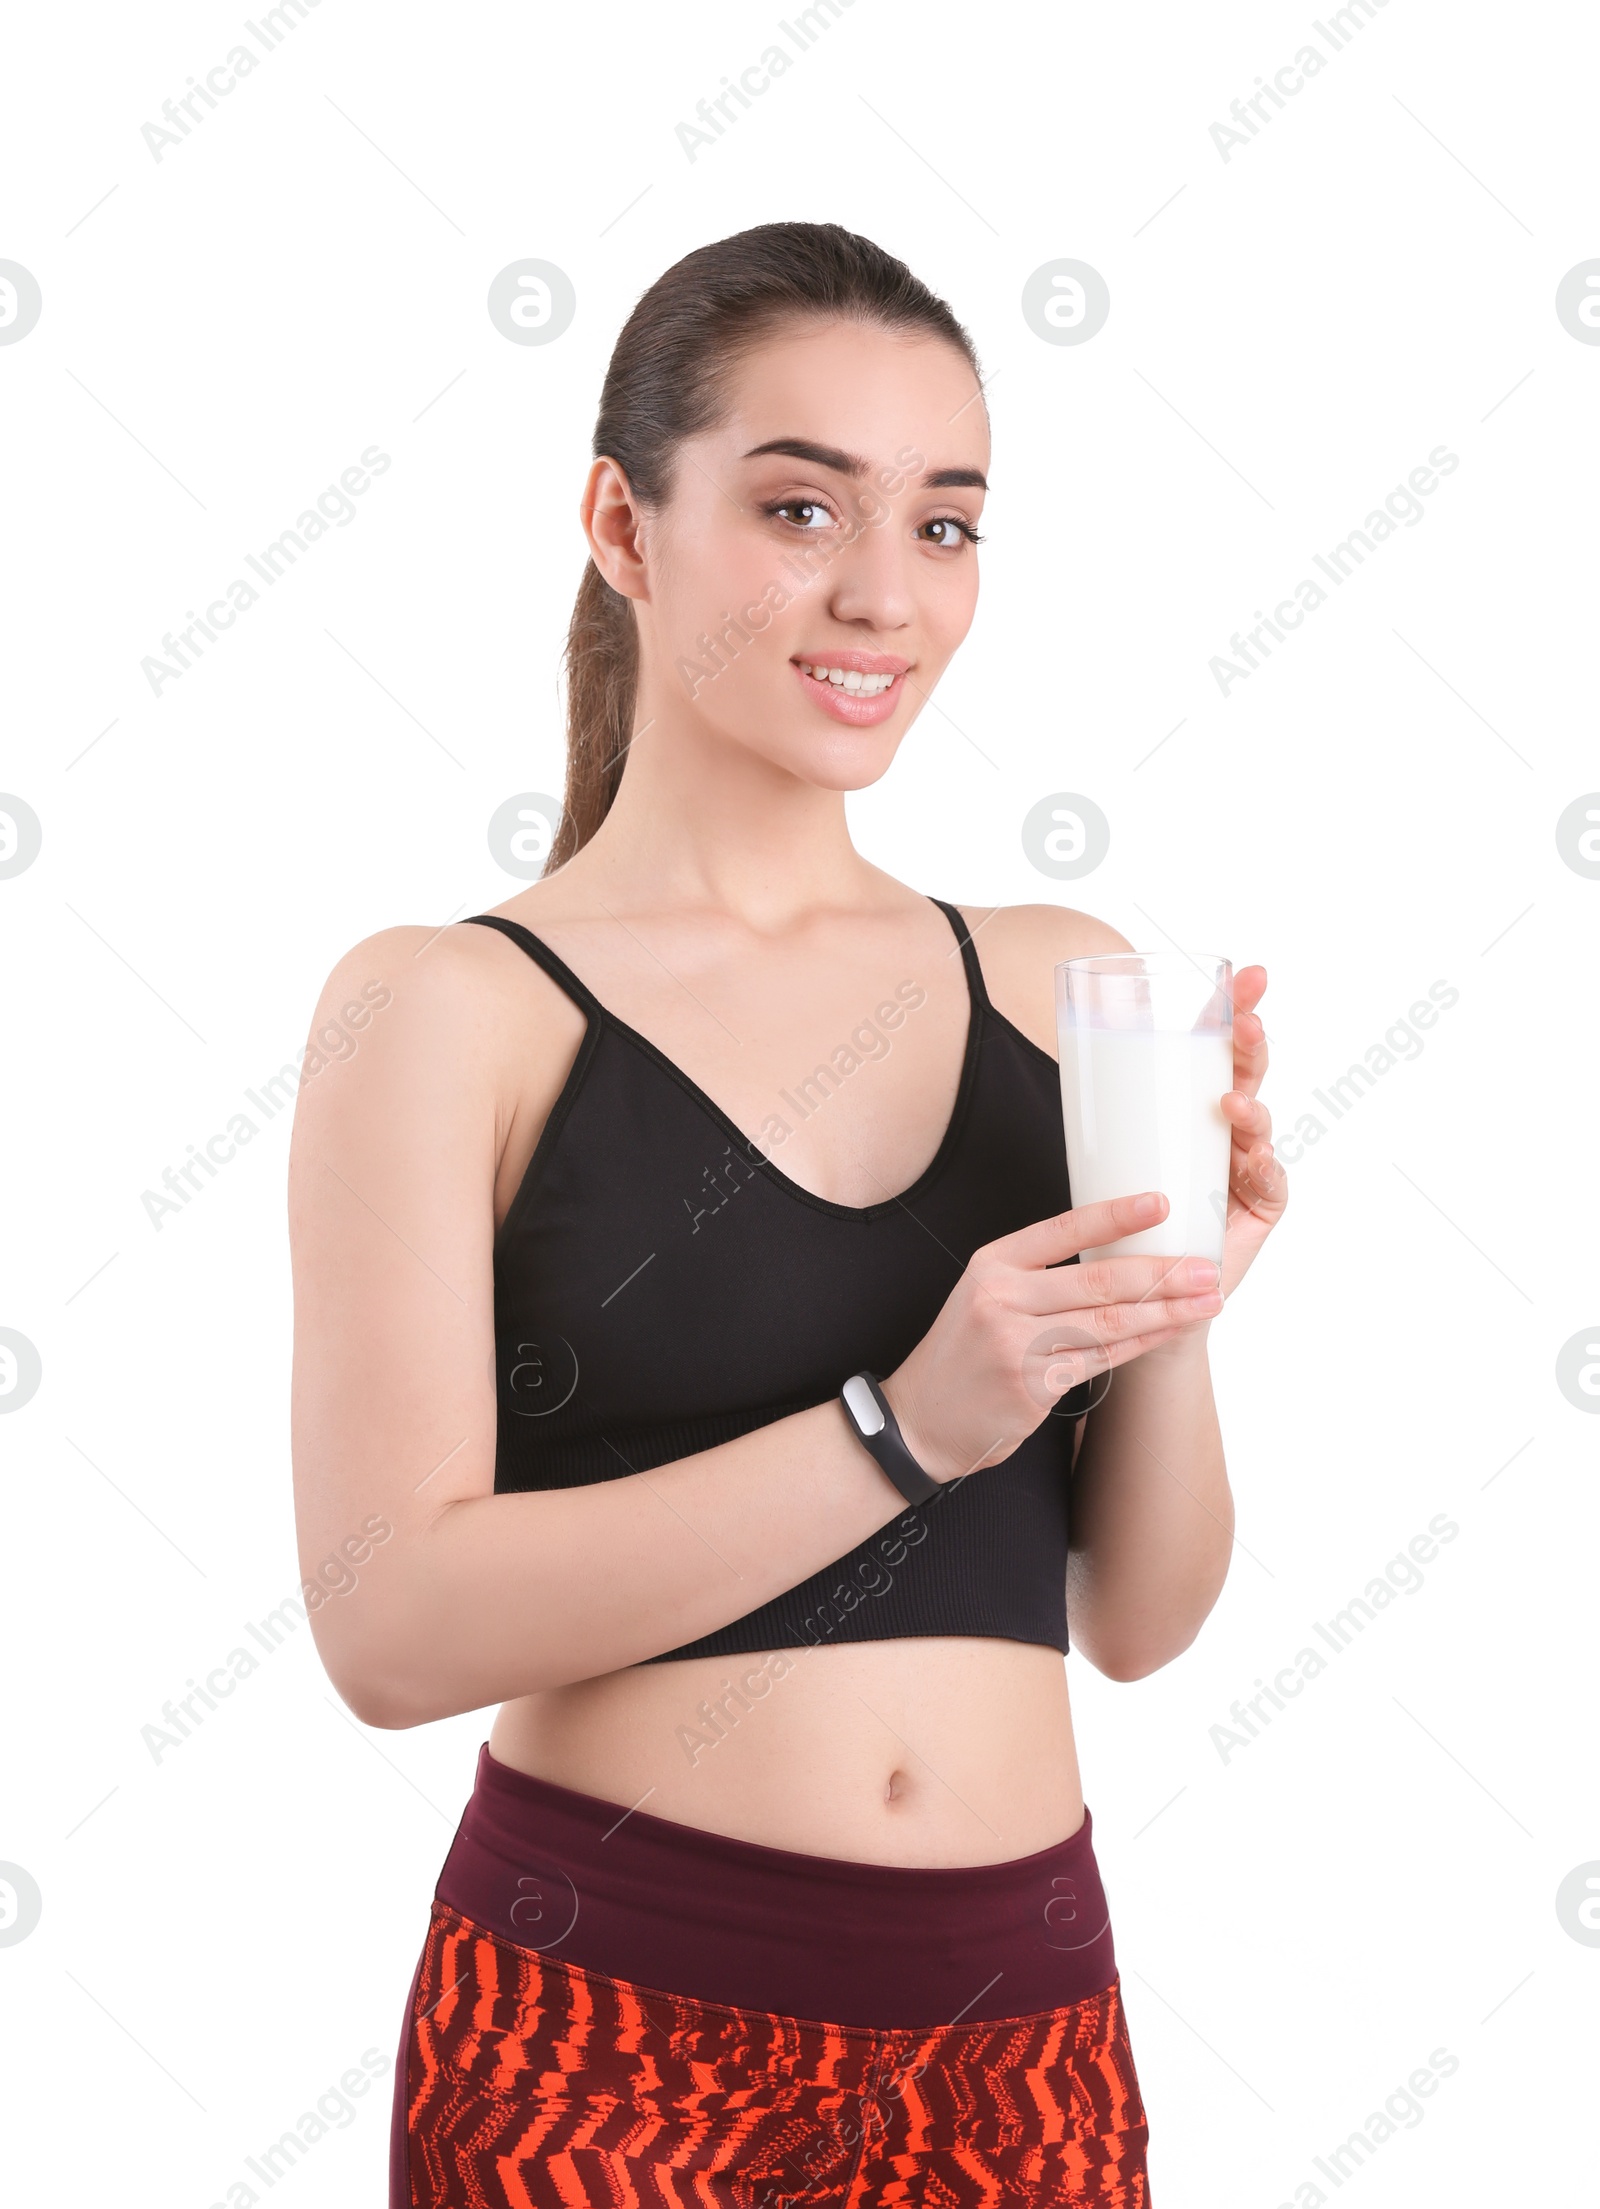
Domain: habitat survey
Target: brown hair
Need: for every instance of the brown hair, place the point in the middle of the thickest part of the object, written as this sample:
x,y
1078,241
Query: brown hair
x,y
667,380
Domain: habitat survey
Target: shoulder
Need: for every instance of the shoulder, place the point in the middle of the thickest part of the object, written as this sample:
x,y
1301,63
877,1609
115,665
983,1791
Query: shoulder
x,y
423,1017
1019,948
418,978
1027,931
449,977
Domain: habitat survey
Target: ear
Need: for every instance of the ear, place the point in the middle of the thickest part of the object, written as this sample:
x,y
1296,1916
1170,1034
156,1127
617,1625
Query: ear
x,y
613,523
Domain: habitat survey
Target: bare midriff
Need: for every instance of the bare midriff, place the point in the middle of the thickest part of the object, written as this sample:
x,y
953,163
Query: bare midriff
x,y
933,1751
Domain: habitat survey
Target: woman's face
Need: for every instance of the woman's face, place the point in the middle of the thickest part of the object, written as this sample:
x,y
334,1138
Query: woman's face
x,y
815,567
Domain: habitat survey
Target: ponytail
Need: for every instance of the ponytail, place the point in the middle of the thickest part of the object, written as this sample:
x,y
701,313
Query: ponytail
x,y
602,663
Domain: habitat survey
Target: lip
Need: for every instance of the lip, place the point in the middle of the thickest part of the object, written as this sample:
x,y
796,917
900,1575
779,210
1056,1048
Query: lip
x,y
849,706
856,663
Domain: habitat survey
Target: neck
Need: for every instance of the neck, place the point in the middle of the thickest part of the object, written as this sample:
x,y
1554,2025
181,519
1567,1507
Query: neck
x,y
702,820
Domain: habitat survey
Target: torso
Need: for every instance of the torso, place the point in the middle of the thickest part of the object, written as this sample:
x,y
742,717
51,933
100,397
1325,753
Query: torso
x,y
915,1751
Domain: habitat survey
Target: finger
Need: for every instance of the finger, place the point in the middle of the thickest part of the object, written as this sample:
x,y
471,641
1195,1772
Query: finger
x,y
1085,1227
1094,1325
1251,1119
1259,1179
1056,1291
1249,987
1249,1051
1070,1369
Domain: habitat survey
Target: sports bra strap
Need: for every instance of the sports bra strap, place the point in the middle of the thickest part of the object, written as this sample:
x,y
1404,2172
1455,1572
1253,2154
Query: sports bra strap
x,y
542,955
969,953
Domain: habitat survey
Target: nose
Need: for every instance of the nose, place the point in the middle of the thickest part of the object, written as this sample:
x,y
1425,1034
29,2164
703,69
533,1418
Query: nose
x,y
870,582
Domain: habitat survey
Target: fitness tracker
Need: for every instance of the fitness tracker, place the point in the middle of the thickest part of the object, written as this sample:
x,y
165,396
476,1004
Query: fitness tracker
x,y
867,1409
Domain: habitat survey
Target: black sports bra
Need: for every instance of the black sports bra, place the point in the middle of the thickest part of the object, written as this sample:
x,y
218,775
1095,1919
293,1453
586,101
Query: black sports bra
x,y
660,1286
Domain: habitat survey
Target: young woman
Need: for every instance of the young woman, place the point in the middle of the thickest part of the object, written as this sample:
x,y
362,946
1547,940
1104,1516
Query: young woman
x,y
777,1882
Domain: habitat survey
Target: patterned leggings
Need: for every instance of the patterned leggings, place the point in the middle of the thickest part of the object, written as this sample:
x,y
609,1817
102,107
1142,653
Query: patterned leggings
x,y
529,2083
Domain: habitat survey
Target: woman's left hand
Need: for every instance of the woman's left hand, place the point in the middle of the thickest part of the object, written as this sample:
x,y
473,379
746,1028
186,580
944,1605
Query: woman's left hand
x,y
1258,1187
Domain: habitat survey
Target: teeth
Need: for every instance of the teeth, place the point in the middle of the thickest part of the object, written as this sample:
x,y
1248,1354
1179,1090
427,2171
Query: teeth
x,y
865,686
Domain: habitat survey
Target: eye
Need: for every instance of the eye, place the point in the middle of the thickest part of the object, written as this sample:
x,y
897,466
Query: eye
x,y
797,507
958,531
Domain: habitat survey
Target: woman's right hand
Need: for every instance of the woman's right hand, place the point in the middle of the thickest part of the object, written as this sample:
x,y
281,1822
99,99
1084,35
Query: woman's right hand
x,y
1020,1328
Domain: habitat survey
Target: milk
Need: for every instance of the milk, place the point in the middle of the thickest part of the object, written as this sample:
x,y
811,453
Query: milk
x,y
1143,1110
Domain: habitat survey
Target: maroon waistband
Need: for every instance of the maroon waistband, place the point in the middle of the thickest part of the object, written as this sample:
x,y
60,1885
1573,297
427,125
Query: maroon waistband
x,y
688,1912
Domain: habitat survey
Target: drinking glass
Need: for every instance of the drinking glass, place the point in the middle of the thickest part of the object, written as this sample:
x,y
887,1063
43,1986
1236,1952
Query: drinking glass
x,y
1146,1043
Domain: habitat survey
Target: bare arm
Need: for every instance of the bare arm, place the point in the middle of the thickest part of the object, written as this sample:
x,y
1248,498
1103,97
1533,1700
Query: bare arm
x,y
473,1597
1152,1513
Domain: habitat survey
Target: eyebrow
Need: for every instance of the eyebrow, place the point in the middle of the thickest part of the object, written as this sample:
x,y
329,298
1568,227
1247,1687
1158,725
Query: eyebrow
x,y
851,464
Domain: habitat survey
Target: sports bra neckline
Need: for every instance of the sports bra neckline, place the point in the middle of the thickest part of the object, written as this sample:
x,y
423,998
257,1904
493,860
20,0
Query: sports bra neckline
x,y
598,1016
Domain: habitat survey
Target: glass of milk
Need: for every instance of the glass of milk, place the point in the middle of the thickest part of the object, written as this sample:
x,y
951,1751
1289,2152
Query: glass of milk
x,y
1146,1042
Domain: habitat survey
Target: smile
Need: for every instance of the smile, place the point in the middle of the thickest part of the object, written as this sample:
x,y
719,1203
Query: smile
x,y
846,678
860,697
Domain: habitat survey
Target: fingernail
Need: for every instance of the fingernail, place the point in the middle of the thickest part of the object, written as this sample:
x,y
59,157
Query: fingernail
x,y
1204,1273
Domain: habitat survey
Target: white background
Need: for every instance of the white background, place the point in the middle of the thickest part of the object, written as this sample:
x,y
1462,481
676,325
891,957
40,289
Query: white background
x,y
1292,330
